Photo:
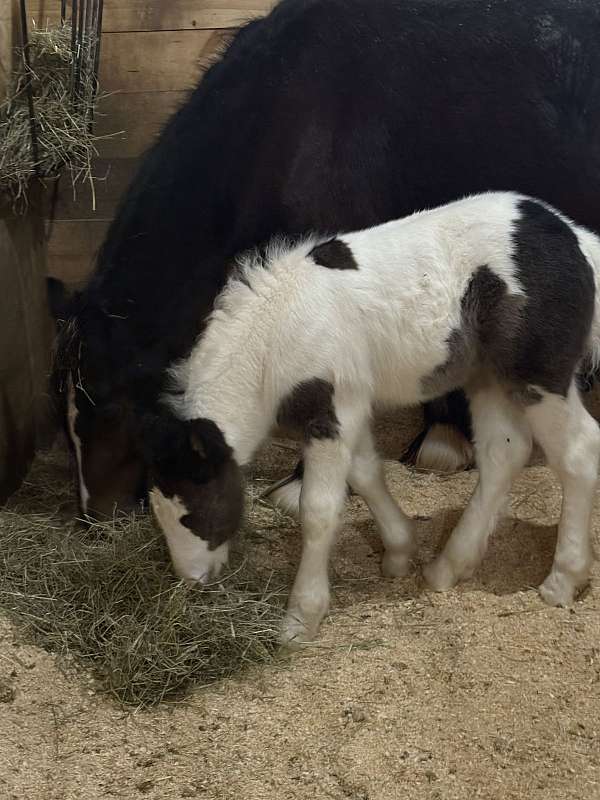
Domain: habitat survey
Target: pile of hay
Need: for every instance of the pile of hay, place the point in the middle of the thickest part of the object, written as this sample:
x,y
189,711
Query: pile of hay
x,y
62,116
105,597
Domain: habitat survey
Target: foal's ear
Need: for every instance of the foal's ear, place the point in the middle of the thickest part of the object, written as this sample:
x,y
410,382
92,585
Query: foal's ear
x,y
207,441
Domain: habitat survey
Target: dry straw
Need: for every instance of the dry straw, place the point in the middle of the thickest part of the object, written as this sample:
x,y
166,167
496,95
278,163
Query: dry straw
x,y
104,597
64,138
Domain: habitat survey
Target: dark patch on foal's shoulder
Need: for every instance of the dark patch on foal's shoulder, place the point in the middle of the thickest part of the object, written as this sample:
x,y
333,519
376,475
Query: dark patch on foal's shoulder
x,y
334,254
308,410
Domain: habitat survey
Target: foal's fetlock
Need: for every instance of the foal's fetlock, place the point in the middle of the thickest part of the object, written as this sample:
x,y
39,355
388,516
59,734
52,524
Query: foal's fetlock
x,y
443,574
561,588
396,563
302,620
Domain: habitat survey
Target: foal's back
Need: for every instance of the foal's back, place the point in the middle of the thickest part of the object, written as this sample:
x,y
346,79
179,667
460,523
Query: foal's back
x,y
496,282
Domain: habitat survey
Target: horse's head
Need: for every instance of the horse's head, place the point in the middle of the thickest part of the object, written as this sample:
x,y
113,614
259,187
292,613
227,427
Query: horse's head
x,y
97,418
196,491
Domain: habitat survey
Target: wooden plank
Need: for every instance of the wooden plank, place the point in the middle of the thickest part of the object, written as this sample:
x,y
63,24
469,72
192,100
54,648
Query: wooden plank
x,y
139,115
8,39
72,249
113,177
161,15
158,61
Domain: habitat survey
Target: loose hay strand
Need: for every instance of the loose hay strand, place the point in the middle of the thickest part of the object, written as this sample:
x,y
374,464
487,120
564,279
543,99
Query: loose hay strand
x,y
105,597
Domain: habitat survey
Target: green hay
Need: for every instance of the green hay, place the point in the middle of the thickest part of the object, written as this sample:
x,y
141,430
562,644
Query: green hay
x,y
105,597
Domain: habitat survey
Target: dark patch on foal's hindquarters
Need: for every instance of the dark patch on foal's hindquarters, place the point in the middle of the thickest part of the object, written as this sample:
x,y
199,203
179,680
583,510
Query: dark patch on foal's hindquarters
x,y
559,283
490,320
308,410
334,254
530,340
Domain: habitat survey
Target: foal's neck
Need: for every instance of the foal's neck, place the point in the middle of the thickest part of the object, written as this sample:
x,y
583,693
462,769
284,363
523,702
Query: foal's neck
x,y
224,378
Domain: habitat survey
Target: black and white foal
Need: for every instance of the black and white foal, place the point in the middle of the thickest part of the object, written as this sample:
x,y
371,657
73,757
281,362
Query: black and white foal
x,y
494,293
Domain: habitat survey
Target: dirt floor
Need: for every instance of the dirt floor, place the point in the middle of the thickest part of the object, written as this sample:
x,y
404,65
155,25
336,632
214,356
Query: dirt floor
x,y
480,693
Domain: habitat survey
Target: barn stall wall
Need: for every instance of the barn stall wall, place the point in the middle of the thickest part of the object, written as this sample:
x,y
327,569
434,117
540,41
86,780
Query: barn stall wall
x,y
153,53
25,331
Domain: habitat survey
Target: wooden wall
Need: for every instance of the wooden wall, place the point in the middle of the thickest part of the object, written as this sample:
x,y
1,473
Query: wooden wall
x,y
153,52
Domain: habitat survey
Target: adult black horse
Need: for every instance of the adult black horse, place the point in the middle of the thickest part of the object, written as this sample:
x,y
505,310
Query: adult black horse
x,y
326,115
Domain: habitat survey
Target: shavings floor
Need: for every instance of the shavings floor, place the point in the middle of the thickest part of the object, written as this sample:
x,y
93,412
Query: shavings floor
x,y
480,693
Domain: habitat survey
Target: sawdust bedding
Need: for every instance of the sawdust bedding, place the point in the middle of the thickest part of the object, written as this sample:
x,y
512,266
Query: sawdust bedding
x,y
483,692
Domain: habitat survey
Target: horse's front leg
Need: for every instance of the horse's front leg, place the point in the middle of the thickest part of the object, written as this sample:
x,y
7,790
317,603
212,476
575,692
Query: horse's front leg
x,y
327,462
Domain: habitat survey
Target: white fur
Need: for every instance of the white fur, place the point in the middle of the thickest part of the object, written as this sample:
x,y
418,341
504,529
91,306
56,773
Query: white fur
x,y
84,495
374,333
192,559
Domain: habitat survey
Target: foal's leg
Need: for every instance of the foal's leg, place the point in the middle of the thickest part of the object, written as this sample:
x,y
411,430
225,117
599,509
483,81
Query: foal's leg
x,y
502,447
396,529
570,439
326,466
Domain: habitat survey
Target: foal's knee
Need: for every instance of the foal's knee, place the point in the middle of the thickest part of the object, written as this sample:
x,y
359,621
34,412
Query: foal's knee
x,y
320,511
581,455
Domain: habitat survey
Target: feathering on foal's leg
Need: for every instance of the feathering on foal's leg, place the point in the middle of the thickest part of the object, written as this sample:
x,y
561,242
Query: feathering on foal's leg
x,y
327,462
367,479
570,438
502,447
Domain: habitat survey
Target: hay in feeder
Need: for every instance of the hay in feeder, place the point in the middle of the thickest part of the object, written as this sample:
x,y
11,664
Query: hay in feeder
x,y
105,597
63,110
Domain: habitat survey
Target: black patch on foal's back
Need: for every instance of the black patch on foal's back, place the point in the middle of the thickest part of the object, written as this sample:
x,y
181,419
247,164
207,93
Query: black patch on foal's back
x,y
334,254
559,283
308,410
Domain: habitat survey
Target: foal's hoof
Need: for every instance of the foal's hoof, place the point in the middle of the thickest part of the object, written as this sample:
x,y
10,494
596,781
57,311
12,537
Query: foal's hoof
x,y
295,634
440,575
558,590
395,565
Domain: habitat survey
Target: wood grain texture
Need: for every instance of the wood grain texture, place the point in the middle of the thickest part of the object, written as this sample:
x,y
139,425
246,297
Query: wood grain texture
x,y
72,248
132,121
161,15
8,39
112,178
156,61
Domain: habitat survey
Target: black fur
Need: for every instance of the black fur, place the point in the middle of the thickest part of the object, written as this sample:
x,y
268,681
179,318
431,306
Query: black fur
x,y
308,411
334,115
560,298
334,254
192,460
489,334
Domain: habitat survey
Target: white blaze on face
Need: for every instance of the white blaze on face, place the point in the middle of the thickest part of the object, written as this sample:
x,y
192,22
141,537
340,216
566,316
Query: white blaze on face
x,y
192,560
84,495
